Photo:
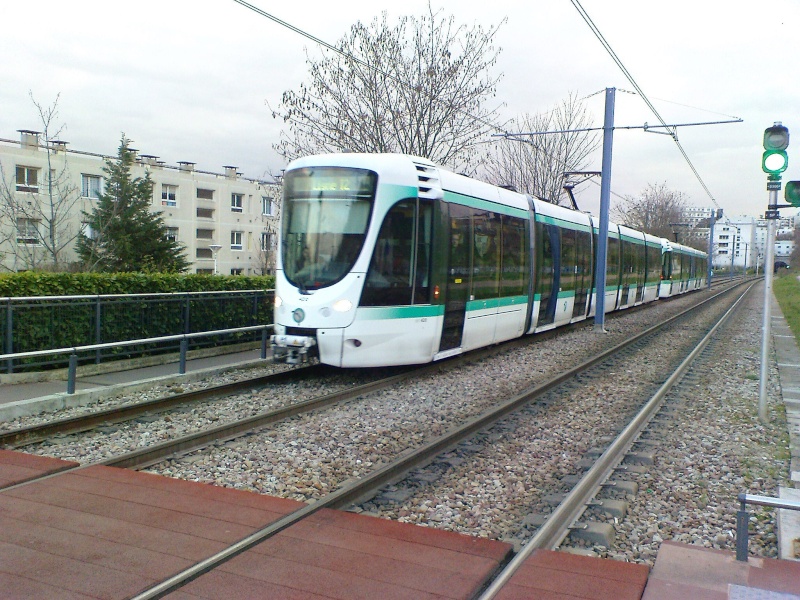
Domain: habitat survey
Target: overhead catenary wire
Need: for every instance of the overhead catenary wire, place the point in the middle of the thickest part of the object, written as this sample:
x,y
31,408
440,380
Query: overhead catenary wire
x,y
585,16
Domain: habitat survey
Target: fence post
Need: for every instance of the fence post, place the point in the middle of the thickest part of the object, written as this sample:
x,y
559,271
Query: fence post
x,y
264,343
742,519
184,349
9,341
186,313
98,336
73,368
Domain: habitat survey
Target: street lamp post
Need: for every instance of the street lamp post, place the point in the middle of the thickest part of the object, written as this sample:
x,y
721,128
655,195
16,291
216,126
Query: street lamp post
x,y
215,248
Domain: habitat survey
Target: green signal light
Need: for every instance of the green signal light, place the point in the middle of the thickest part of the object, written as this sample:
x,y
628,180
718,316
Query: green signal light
x,y
774,162
792,193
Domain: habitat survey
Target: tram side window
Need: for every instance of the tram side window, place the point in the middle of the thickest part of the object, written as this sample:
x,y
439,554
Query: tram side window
x,y
612,266
486,257
389,280
641,262
422,278
569,262
676,266
514,255
653,255
399,272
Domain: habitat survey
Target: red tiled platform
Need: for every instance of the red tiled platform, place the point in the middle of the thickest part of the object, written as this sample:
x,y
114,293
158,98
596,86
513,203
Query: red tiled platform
x,y
16,467
548,575
102,532
685,572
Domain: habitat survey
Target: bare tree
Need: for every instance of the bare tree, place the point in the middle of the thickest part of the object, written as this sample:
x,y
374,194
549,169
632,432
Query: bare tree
x,y
536,164
419,87
654,211
40,210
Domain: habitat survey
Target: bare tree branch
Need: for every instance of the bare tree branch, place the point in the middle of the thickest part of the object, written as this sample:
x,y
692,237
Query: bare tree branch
x,y
418,87
536,165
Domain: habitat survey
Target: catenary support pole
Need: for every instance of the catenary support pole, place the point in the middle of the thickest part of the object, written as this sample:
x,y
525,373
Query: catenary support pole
x,y
605,201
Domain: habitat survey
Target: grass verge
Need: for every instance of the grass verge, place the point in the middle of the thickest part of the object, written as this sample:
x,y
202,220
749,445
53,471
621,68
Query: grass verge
x,y
787,290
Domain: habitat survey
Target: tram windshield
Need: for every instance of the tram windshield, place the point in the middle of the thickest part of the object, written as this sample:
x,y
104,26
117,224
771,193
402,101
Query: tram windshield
x,y
326,213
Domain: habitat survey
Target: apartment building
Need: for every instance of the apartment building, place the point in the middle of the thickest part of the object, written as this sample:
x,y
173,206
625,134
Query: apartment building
x,y
228,223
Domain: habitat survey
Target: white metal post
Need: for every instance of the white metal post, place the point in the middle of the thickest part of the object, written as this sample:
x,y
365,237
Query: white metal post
x,y
769,269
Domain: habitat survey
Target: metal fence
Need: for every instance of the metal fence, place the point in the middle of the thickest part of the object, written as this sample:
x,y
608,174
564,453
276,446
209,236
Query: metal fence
x,y
31,324
743,518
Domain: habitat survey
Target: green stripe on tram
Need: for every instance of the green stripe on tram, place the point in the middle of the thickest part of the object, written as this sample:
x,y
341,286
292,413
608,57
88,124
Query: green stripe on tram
x,y
497,302
382,313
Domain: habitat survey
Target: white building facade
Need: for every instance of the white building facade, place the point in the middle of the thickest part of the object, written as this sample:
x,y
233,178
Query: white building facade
x,y
227,223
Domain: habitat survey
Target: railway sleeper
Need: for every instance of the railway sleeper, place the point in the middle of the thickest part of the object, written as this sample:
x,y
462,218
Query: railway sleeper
x,y
639,458
594,532
622,486
614,508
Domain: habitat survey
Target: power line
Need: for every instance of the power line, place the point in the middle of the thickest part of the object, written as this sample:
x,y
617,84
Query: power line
x,y
641,93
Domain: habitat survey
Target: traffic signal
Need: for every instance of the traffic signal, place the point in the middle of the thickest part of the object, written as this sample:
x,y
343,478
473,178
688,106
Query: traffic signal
x,y
792,193
776,140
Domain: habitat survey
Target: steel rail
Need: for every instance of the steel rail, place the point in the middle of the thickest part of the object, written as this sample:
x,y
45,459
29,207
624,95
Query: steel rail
x,y
557,526
36,433
366,486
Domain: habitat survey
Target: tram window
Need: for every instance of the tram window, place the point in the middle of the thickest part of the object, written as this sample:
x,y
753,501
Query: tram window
x,y
653,257
390,279
612,264
569,263
486,255
422,286
513,256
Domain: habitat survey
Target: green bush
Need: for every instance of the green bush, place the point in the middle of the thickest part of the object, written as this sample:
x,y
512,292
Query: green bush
x,y
35,283
44,324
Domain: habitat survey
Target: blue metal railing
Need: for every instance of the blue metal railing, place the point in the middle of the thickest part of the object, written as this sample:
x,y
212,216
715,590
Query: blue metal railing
x,y
743,518
183,340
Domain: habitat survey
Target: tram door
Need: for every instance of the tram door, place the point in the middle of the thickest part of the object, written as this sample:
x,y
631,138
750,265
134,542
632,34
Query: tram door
x,y
583,273
458,277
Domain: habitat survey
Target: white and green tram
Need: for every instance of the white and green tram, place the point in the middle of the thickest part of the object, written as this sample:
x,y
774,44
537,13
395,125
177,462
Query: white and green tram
x,y
388,259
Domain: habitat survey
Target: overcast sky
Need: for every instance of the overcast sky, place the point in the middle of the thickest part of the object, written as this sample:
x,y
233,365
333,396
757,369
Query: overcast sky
x,y
190,79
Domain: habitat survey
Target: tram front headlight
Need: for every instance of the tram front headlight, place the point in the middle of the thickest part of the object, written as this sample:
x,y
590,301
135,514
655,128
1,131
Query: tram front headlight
x,y
343,305
278,301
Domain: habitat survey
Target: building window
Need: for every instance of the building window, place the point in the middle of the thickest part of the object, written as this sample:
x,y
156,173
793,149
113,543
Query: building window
x,y
205,271
169,195
266,241
205,234
237,271
266,206
27,179
236,240
204,194
204,253
90,186
205,213
237,202
172,234
28,232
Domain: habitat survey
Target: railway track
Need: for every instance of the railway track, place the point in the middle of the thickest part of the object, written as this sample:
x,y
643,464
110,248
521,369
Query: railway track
x,y
367,486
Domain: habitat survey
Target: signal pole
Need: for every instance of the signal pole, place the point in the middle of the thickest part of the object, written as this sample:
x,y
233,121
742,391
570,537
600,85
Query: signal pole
x,y
773,163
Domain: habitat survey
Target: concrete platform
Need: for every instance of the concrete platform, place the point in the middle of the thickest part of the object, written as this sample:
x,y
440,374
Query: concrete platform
x,y
684,572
